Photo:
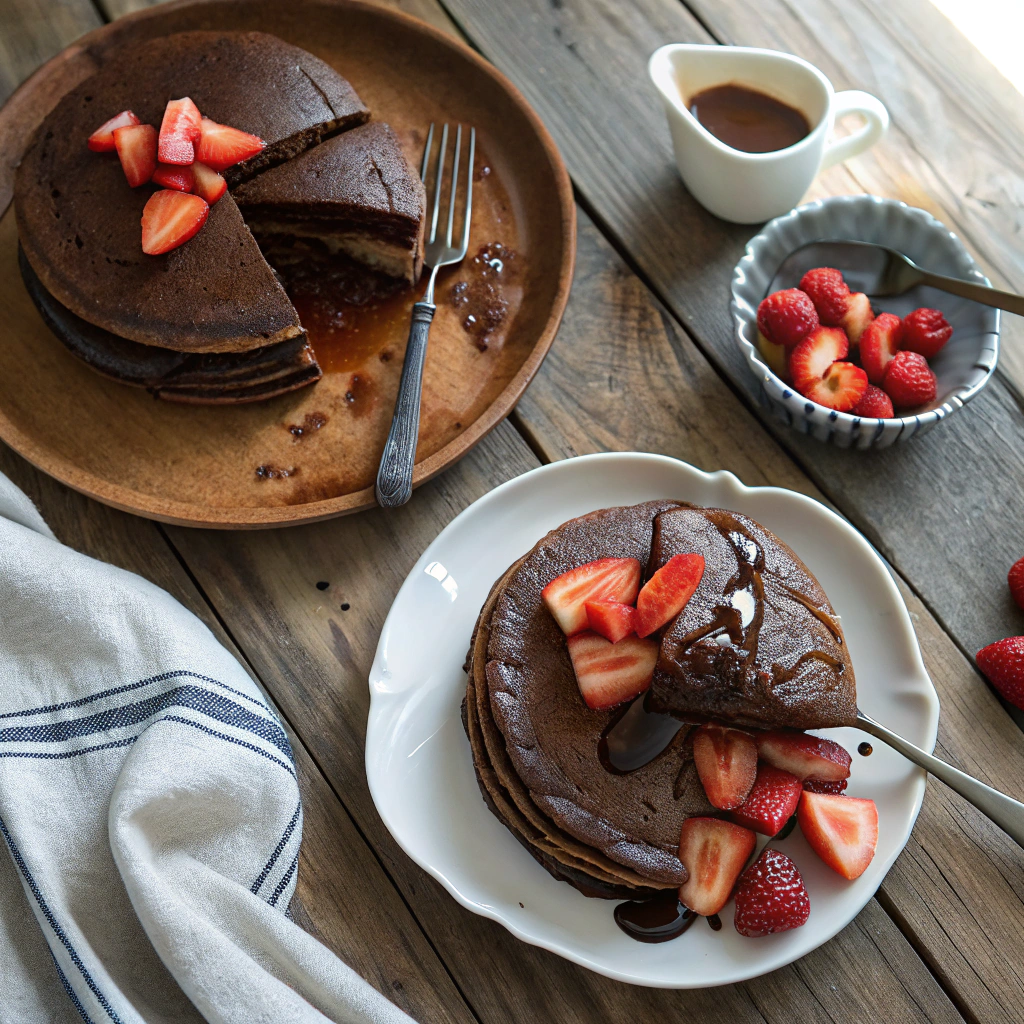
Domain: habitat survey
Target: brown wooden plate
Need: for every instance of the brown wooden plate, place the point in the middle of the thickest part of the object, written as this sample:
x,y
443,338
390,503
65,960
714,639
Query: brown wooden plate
x,y
312,454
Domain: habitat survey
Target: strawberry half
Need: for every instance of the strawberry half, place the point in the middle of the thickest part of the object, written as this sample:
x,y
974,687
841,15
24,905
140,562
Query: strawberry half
x,y
136,149
220,146
874,403
179,131
820,786
771,803
1003,665
857,316
170,218
665,594
909,380
609,674
713,852
612,619
208,183
809,361
842,387
771,896
806,757
726,761
842,831
829,293
181,179
879,344
607,579
102,140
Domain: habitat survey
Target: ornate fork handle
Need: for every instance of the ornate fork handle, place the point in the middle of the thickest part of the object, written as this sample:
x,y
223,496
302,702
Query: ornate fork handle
x,y
394,477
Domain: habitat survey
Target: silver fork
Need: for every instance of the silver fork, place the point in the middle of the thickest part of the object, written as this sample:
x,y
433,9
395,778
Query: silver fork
x,y
394,477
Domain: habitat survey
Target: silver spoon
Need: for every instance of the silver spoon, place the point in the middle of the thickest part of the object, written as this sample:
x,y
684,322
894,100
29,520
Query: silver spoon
x,y
1006,812
879,270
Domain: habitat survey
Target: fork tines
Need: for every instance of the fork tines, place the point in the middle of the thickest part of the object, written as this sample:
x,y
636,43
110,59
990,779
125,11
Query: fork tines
x,y
440,251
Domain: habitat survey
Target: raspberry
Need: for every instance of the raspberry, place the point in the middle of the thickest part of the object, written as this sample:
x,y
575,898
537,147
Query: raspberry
x,y
770,896
875,404
909,380
1015,578
828,292
1003,664
786,317
925,331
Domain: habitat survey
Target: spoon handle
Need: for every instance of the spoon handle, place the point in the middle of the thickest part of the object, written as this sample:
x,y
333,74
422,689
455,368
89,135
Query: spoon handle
x,y
1006,812
978,292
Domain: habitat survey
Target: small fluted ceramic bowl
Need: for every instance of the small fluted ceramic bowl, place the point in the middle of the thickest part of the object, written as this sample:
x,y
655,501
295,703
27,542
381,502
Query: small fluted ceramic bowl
x,y
962,368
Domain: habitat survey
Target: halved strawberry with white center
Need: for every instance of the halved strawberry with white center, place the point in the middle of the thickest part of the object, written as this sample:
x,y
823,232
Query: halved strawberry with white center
x,y
607,579
713,852
726,761
181,179
815,354
221,146
665,594
842,830
102,140
806,757
208,183
612,619
179,131
857,316
841,388
136,149
170,218
608,673
879,344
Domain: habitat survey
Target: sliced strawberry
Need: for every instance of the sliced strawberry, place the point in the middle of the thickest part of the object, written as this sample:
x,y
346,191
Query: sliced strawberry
x,y
771,896
170,218
857,316
220,146
665,594
909,380
726,761
607,579
209,184
612,619
821,786
102,140
179,131
772,801
775,356
136,149
842,831
874,403
841,388
829,293
806,757
809,361
608,673
786,317
181,179
713,852
879,344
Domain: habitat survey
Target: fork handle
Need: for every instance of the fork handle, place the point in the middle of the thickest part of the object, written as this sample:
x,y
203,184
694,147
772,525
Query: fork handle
x,y
394,477
978,292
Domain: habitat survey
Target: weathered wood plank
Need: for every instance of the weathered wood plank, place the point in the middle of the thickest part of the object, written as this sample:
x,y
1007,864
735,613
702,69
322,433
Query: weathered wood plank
x,y
582,64
958,890
341,884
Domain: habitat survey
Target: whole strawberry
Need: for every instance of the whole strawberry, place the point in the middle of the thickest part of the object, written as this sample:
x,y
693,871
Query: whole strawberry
x,y
1015,577
786,317
909,380
926,331
770,896
1003,664
829,293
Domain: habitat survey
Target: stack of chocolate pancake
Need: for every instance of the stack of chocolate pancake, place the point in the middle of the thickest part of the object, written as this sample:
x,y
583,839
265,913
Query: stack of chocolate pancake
x,y
209,321
598,797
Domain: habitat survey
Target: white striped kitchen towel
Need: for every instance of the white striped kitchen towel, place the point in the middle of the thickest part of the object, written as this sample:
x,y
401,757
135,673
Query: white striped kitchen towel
x,y
148,808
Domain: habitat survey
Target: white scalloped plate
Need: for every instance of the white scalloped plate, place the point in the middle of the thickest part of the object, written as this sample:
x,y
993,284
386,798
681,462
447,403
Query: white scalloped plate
x,y
418,760
963,367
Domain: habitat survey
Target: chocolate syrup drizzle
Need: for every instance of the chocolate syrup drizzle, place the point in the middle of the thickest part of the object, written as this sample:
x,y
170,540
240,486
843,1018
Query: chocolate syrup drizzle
x,y
635,736
655,920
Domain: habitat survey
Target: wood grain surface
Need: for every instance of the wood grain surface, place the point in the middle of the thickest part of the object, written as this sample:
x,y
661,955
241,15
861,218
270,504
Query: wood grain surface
x,y
643,361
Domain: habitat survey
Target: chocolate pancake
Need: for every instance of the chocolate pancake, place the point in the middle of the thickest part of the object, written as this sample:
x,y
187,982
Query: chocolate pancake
x,y
758,644
79,221
355,194
553,740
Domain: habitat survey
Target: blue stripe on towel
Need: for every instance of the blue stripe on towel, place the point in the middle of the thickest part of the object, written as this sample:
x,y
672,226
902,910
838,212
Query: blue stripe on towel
x,y
72,994
57,755
283,842
230,739
284,882
55,925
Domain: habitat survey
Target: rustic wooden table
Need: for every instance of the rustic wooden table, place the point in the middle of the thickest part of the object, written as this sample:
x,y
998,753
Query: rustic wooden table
x,y
645,360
